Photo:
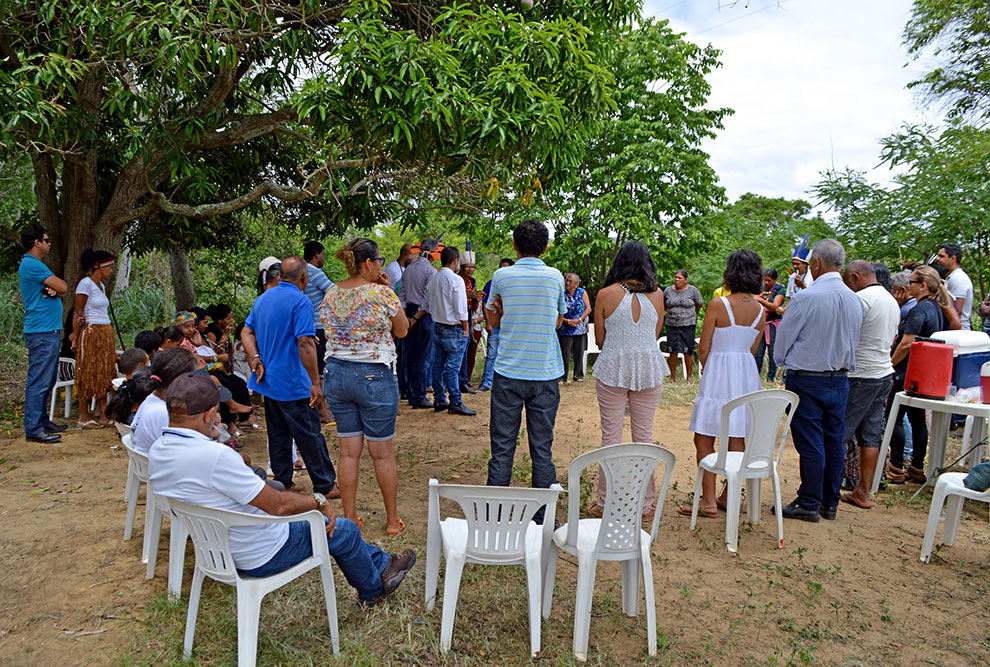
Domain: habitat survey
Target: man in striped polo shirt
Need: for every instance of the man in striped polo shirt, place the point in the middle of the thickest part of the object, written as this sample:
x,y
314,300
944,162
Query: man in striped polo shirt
x,y
527,302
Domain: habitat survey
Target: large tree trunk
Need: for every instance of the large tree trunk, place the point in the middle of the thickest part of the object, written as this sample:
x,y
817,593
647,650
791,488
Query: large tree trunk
x,y
185,296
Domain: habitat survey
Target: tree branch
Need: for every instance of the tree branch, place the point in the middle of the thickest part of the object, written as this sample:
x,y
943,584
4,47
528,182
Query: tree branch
x,y
241,128
8,234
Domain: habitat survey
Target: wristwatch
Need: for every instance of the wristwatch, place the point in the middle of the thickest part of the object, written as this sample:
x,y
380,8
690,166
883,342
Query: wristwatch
x,y
321,501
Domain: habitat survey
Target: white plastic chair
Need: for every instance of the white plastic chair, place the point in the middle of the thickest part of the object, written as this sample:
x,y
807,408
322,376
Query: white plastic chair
x,y
209,529
592,347
65,379
123,429
154,509
497,530
949,486
666,355
767,409
617,536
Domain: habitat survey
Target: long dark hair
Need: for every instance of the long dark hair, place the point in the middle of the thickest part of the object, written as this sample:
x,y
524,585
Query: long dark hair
x,y
633,265
743,272
131,394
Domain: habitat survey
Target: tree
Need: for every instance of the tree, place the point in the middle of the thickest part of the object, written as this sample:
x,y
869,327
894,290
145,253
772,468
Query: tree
x,y
166,113
644,175
956,35
941,193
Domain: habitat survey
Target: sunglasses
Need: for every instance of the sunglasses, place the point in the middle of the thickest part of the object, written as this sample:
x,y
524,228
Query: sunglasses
x,y
380,260
46,240
917,282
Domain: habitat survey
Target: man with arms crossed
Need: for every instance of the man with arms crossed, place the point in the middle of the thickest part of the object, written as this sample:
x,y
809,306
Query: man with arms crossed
x,y
527,302
186,465
816,343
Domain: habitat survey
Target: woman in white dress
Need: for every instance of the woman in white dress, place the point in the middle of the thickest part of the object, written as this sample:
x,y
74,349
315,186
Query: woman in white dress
x,y
729,338
630,368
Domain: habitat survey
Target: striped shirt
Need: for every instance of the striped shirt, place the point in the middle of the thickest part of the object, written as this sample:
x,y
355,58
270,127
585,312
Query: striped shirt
x,y
532,296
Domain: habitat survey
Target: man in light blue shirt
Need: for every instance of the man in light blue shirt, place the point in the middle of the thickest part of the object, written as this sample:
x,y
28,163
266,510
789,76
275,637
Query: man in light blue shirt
x,y
817,342
527,302
41,292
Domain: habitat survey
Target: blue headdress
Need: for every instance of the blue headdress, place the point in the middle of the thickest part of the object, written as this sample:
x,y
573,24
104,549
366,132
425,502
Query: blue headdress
x,y
802,251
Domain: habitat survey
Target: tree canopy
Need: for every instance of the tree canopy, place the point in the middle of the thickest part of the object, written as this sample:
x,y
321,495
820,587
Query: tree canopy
x,y
165,113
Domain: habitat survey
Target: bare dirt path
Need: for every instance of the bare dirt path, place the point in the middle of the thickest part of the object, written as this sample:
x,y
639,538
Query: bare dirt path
x,y
845,592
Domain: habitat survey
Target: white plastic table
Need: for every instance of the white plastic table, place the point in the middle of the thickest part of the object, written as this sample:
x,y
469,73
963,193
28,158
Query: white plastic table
x,y
942,412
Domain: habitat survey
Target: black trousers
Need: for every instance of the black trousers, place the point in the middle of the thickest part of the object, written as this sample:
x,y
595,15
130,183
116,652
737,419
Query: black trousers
x,y
238,391
295,420
573,346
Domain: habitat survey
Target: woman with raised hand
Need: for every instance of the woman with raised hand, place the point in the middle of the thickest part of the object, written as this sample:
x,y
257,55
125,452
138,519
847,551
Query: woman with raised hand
x,y
630,369
360,315
96,354
730,335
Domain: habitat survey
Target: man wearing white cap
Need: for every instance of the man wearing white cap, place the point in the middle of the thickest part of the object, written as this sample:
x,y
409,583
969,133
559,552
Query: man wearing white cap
x,y
473,297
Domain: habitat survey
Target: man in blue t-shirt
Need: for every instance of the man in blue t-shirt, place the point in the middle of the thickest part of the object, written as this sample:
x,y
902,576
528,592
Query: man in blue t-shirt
x,y
280,341
41,292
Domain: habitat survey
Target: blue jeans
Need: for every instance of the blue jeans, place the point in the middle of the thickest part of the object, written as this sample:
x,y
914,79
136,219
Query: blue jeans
x,y
491,353
361,563
295,420
418,350
768,349
817,429
540,398
42,372
448,351
363,398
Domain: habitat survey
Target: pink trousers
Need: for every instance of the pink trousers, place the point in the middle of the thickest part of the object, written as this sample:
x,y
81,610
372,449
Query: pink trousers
x,y
612,408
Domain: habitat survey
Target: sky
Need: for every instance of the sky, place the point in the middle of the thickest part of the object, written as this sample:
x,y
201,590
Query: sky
x,y
813,83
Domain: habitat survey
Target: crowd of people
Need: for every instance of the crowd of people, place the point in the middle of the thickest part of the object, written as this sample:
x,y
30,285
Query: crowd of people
x,y
347,353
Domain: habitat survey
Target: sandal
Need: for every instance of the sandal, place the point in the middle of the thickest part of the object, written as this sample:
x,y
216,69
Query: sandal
x,y
393,533
360,522
91,424
710,511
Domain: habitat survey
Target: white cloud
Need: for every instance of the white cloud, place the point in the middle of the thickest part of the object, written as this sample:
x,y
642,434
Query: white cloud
x,y
813,83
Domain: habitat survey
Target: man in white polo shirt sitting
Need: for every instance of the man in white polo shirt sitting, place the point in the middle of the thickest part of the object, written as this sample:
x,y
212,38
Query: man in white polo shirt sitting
x,y
185,464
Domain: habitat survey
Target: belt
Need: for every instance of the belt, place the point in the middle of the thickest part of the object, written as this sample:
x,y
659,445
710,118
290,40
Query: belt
x,y
449,326
842,372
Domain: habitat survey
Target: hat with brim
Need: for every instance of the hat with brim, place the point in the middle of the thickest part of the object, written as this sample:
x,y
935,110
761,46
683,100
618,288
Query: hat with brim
x,y
195,393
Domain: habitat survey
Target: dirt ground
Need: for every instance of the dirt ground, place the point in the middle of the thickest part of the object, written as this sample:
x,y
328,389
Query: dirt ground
x,y
850,591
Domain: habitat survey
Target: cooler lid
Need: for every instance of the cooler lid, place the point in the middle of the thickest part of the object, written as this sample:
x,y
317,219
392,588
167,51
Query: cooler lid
x,y
963,341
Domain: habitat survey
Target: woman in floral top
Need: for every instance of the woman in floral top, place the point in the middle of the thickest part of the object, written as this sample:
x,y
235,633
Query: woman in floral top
x,y
360,316
573,331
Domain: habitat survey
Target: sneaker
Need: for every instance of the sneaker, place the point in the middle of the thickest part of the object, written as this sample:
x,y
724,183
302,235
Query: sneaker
x,y
396,570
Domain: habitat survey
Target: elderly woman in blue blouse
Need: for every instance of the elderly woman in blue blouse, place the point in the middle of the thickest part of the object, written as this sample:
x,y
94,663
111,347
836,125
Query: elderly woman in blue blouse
x,y
573,332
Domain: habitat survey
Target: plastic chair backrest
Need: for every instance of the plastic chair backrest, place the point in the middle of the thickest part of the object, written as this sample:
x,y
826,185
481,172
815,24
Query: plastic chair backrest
x,y
627,468
123,430
767,409
209,529
497,517
138,460
592,345
66,369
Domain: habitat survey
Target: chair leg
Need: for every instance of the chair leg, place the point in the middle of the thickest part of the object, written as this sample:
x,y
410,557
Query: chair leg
x,y
953,515
67,392
248,615
733,502
549,572
630,588
330,596
194,591
650,599
938,498
433,549
152,531
697,497
451,585
51,406
582,605
753,487
131,497
176,555
533,572
778,510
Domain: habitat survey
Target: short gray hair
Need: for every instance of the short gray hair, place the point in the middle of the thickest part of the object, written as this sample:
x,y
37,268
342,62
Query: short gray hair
x,y
901,279
576,277
830,253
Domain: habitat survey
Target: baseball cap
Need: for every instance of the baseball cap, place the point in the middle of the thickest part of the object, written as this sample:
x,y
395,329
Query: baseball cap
x,y
195,393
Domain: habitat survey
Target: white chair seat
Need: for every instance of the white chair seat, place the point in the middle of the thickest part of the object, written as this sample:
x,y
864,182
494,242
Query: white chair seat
x,y
733,461
949,487
587,537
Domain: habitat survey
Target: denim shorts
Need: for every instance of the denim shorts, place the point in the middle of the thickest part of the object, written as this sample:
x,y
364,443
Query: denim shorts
x,y
363,397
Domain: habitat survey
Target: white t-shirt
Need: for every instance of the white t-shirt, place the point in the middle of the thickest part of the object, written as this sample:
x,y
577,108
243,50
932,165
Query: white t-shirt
x,y
97,305
961,287
149,421
793,289
881,315
189,467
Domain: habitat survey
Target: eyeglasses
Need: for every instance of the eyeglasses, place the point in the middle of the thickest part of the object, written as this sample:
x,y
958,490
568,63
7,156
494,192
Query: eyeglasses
x,y
380,260
46,240
917,282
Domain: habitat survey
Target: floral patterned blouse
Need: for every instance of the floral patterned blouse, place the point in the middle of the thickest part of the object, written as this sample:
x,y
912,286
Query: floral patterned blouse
x,y
357,321
575,306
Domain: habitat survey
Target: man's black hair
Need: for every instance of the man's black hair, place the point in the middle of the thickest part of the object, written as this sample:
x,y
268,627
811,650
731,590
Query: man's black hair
x,y
952,250
448,255
149,341
531,238
312,249
30,234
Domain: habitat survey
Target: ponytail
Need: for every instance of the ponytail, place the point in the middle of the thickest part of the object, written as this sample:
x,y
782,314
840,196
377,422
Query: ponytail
x,y
354,254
